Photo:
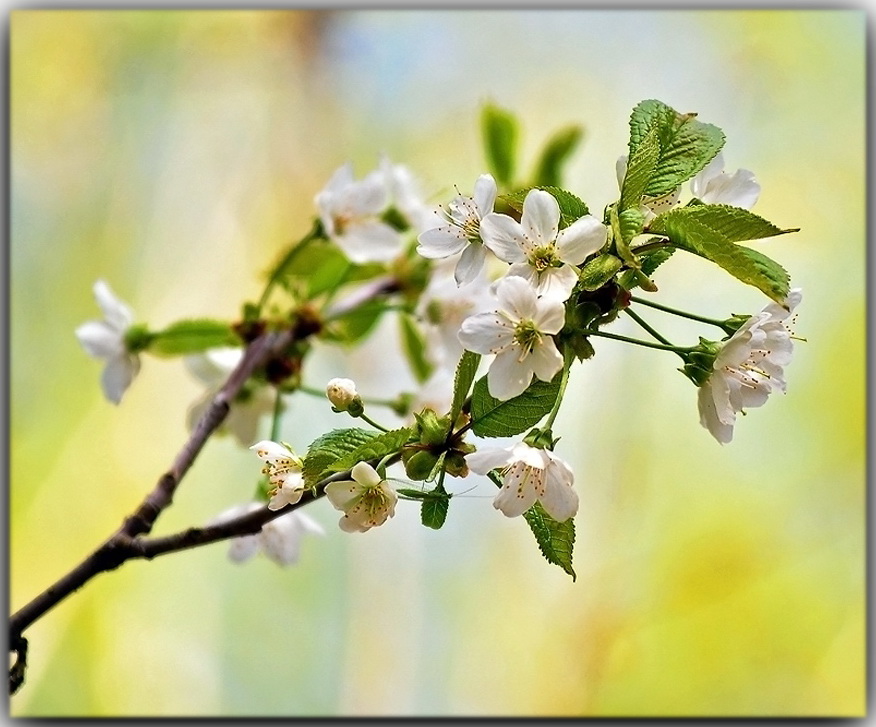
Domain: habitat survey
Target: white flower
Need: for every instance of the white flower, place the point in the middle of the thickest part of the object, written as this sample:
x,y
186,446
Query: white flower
x,y
463,233
651,206
350,214
283,469
279,539
106,339
529,474
748,368
367,500
443,306
405,195
714,186
520,334
538,250
212,369
341,393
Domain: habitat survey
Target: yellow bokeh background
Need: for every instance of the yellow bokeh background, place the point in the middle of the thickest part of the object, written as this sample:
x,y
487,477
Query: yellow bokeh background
x,y
175,154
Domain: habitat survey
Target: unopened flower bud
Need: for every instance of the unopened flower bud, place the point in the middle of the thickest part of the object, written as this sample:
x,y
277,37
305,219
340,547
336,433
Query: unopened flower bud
x,y
342,394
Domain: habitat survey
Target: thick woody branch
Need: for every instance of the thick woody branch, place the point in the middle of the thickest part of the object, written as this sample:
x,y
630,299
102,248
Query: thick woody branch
x,y
113,551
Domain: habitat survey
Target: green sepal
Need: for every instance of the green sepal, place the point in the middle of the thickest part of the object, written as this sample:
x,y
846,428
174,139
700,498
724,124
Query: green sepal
x,y
414,346
329,448
192,336
649,260
598,271
571,206
499,129
494,418
556,152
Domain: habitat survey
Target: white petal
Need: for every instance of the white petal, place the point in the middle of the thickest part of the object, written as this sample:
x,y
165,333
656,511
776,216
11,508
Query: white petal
x,y
541,217
581,239
117,376
308,524
213,367
340,179
352,525
343,493
281,543
514,500
504,236
532,456
508,376
117,314
700,182
556,284
486,333
100,340
441,242
369,241
286,495
546,360
367,197
243,421
244,547
366,475
517,297
709,415
470,263
271,451
560,500
550,316
620,169
485,191
739,189
487,459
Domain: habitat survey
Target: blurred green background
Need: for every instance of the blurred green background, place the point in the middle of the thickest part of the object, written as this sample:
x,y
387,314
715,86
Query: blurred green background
x,y
175,153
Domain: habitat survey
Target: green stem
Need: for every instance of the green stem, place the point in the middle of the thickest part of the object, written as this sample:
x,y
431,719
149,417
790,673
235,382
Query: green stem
x,y
275,421
632,314
683,314
625,339
564,380
372,422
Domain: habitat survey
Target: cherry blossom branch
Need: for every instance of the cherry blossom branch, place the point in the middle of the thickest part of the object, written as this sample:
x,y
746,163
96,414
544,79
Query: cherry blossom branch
x,y
112,553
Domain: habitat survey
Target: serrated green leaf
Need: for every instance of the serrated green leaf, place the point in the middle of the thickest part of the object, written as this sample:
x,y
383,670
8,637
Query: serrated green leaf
x,y
414,346
494,418
466,370
192,336
433,511
329,448
559,148
556,540
377,446
499,130
598,271
710,230
641,165
686,145
571,207
733,224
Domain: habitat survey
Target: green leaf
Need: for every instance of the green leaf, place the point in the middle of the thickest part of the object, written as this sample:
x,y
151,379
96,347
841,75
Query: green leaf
x,y
192,336
571,206
316,267
598,271
355,325
641,165
733,224
710,231
433,511
499,129
559,148
377,446
414,345
555,540
466,370
494,418
686,145
329,448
